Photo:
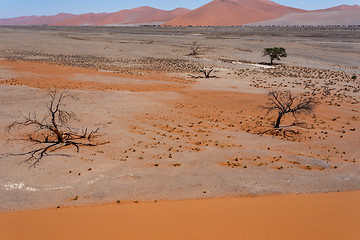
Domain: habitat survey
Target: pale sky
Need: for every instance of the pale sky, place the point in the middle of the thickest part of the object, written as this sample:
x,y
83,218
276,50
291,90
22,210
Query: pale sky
x,y
15,8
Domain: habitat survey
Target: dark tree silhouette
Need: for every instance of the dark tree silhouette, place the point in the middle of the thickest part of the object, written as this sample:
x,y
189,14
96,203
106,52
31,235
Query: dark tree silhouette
x,y
275,53
53,132
205,72
285,103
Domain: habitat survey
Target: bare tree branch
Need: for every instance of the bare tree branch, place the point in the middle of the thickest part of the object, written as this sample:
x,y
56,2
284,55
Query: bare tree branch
x,y
50,131
205,72
284,102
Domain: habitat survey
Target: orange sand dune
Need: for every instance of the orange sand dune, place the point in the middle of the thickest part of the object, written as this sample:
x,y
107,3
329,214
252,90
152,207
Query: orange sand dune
x,y
317,216
135,16
233,12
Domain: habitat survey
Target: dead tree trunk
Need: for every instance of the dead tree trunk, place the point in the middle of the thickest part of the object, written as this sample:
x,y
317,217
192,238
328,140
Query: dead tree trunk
x,y
277,123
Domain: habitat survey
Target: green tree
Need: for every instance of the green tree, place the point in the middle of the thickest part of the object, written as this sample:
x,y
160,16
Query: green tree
x,y
275,53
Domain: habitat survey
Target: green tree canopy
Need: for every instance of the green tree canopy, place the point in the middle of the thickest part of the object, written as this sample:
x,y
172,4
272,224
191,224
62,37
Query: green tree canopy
x,y
275,53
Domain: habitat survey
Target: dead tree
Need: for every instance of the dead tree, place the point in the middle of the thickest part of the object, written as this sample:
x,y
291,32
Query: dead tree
x,y
205,72
285,103
194,49
52,132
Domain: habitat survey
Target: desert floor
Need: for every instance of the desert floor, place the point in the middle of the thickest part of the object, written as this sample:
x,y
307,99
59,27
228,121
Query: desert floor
x,y
171,135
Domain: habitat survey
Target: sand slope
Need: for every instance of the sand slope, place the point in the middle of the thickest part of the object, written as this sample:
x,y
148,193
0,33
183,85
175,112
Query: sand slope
x,y
320,216
342,7
233,12
331,17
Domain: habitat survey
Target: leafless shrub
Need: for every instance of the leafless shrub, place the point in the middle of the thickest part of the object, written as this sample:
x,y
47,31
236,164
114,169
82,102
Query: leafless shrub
x,y
206,73
53,132
194,49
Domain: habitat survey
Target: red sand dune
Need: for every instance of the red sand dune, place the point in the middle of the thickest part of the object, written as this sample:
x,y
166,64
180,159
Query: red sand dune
x,y
136,16
215,13
233,12
141,15
342,7
36,20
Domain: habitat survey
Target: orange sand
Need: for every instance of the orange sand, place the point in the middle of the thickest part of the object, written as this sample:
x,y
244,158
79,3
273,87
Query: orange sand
x,y
315,216
45,76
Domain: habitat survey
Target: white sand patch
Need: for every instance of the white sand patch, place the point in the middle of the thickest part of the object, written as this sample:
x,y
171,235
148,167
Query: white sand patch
x,y
255,65
14,186
9,186
242,63
18,186
95,180
31,189
57,188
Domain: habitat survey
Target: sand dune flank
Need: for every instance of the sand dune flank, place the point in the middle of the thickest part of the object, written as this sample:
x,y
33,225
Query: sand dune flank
x,y
319,216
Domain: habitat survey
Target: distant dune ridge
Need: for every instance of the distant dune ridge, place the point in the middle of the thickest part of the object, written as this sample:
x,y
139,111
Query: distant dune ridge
x,y
340,17
135,16
36,20
342,7
215,13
